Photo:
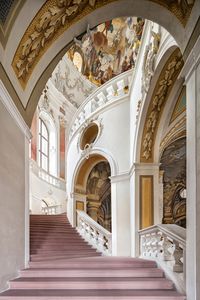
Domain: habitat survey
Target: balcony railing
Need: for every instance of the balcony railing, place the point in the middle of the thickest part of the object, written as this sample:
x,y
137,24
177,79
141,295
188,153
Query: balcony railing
x,y
166,244
106,94
55,181
51,210
94,234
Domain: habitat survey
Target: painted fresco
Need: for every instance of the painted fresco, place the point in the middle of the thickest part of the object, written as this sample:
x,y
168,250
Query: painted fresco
x,y
173,163
98,192
108,50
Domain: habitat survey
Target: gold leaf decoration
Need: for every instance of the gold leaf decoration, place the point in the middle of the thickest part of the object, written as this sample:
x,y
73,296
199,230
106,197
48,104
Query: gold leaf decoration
x,y
161,92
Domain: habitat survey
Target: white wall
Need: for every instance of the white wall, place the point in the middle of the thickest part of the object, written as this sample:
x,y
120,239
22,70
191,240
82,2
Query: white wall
x,y
113,141
13,200
40,189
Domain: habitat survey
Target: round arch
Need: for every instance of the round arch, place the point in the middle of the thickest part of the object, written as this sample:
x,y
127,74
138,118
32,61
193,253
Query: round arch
x,y
146,103
59,46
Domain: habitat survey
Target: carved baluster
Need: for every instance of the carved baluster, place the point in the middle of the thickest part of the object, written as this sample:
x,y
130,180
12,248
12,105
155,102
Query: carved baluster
x,y
166,247
121,87
178,255
155,241
143,245
102,99
111,92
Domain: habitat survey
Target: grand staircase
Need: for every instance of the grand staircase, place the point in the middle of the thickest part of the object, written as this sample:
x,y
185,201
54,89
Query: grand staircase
x,y
64,266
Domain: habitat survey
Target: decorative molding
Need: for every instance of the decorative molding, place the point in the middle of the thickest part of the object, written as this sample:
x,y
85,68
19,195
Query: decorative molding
x,y
13,111
176,132
178,110
56,16
87,123
120,177
160,95
180,8
149,61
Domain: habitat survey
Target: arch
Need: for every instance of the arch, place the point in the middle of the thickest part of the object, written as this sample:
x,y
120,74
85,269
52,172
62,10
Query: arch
x,y
53,54
147,101
102,155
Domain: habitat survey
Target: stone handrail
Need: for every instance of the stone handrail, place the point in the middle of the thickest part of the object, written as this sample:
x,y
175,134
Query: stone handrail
x,y
166,243
55,181
51,210
109,92
94,234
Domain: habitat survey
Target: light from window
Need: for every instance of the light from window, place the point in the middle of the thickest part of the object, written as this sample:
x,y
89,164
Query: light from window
x,y
43,146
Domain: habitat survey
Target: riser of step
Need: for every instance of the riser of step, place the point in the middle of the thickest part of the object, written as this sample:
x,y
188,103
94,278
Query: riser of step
x,y
138,272
64,264
93,295
51,258
90,285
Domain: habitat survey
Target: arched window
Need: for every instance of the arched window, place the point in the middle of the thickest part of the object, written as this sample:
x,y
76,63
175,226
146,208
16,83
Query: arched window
x,y
47,144
43,146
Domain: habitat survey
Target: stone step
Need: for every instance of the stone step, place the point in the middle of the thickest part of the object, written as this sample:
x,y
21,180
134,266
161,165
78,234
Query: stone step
x,y
88,272
91,283
42,294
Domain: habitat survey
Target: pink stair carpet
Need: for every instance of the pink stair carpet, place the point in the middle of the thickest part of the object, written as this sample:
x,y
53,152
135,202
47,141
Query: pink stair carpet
x,y
64,266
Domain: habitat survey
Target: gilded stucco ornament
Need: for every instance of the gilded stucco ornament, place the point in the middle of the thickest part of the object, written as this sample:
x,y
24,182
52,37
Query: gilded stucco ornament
x,y
149,61
161,92
55,16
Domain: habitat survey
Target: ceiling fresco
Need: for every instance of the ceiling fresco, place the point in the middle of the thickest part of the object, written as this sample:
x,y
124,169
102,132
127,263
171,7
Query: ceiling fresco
x,y
108,50
56,16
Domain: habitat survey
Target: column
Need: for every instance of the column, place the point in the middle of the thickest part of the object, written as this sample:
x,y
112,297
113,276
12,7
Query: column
x,y
191,72
120,206
144,202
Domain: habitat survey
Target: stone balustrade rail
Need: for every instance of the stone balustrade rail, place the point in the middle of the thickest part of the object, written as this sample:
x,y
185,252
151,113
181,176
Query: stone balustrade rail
x,y
94,234
106,94
166,243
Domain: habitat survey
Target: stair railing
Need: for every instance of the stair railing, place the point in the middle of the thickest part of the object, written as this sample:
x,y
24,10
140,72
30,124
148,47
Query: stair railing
x,y
166,243
94,234
51,210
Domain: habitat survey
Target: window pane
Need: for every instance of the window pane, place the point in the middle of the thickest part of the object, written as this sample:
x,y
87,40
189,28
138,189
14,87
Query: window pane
x,y
44,131
44,163
44,146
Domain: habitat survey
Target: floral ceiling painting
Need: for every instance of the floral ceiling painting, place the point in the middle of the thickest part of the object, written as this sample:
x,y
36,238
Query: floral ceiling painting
x,y
108,50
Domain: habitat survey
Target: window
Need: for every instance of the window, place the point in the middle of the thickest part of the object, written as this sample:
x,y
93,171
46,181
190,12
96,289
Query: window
x,y
43,146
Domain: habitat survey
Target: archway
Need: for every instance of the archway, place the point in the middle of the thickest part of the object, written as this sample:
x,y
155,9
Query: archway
x,y
92,189
97,13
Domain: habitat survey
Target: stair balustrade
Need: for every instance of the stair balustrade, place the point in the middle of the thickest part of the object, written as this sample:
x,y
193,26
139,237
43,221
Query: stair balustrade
x,y
42,174
106,94
51,210
94,234
166,243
